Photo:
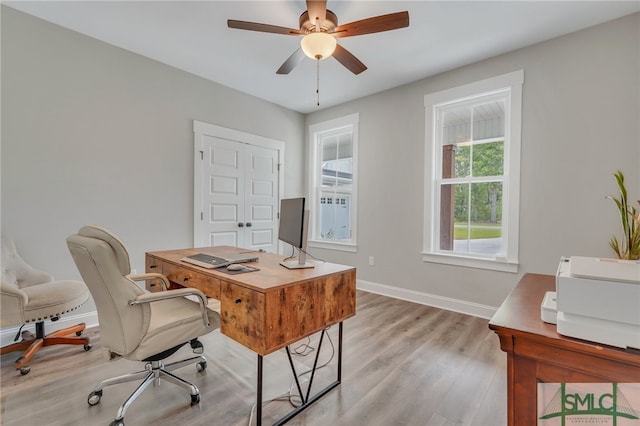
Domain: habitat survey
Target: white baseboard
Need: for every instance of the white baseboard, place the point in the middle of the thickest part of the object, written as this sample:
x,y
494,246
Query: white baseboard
x,y
450,304
89,318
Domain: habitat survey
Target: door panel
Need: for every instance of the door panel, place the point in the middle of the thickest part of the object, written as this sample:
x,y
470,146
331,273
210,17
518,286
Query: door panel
x,y
261,198
223,169
223,239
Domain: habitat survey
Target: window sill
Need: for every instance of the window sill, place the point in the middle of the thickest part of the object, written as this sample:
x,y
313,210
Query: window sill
x,y
471,262
351,248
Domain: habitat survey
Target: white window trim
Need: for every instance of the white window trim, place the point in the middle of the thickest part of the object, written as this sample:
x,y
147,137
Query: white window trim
x,y
511,185
352,121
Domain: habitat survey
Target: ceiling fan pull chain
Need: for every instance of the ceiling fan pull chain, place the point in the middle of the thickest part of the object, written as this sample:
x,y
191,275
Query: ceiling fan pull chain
x,y
318,80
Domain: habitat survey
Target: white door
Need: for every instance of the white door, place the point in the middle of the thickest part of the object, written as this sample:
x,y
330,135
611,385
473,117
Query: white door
x,y
261,198
236,189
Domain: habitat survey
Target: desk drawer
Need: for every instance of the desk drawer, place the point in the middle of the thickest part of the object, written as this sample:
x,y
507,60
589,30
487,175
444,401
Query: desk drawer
x,y
242,316
187,278
153,265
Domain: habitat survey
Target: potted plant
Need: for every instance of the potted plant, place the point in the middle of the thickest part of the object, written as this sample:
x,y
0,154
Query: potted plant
x,y
628,248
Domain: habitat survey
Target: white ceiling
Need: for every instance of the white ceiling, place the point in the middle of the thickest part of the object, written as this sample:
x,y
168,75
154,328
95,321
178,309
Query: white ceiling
x,y
442,35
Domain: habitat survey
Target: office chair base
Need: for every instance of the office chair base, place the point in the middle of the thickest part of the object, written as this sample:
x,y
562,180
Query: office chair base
x,y
153,372
31,346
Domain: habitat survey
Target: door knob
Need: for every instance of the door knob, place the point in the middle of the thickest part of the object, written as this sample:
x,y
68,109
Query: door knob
x,y
240,225
248,224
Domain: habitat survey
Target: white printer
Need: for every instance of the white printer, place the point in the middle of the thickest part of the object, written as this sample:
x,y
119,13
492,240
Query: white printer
x,y
597,300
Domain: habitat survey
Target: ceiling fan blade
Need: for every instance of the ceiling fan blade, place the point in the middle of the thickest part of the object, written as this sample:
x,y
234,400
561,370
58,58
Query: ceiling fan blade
x,y
347,59
317,9
291,62
376,24
264,28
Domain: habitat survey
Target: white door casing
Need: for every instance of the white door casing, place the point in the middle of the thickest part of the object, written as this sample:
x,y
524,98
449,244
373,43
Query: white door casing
x,y
237,187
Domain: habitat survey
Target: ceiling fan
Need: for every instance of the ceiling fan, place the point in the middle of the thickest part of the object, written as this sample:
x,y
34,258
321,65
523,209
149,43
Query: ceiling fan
x,y
319,28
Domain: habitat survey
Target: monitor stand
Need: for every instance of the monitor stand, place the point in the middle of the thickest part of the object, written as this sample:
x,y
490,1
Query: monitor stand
x,y
294,264
299,263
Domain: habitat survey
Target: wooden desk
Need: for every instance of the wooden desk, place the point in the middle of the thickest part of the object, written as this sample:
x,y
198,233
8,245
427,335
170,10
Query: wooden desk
x,y
268,309
537,353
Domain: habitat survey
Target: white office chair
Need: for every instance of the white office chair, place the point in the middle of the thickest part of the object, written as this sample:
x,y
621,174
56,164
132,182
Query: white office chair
x,y
136,325
32,296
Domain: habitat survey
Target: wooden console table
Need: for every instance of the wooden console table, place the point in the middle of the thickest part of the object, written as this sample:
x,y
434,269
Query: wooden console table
x,y
269,309
537,353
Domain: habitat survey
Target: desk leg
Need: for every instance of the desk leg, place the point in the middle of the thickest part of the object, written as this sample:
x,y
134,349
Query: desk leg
x,y
306,401
340,352
310,400
259,393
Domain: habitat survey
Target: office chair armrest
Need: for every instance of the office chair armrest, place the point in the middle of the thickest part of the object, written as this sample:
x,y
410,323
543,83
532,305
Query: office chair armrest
x,y
170,294
149,276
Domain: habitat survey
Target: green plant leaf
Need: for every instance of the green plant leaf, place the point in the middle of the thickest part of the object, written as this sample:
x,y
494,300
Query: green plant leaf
x,y
629,246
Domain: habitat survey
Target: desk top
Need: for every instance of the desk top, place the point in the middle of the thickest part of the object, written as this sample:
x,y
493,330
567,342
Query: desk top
x,y
519,315
271,276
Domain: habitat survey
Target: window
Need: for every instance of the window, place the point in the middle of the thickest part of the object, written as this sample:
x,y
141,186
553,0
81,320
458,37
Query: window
x,y
473,174
333,183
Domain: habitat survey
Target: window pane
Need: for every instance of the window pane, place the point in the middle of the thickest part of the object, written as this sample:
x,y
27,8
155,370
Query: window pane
x,y
447,208
470,218
478,219
335,216
488,159
456,126
486,203
337,160
345,147
463,161
488,120
461,226
461,204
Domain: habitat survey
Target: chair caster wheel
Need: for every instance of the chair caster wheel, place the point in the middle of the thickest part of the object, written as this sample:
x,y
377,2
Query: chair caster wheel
x,y
94,398
117,423
197,346
201,366
87,347
195,399
25,370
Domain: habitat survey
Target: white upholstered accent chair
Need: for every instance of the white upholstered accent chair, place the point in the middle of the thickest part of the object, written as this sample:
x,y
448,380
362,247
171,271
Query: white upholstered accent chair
x,y
32,296
137,325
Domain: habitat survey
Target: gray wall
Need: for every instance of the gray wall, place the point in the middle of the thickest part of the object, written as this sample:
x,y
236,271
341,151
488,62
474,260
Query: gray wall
x,y
581,122
93,134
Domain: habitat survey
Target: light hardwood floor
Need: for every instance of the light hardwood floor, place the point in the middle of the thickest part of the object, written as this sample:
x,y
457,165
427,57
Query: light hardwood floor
x,y
404,364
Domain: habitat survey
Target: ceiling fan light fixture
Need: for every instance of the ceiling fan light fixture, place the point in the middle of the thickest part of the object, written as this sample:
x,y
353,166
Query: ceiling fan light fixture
x,y
318,45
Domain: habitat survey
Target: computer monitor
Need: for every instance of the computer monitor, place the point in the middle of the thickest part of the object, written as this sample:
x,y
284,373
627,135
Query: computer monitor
x,y
294,222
